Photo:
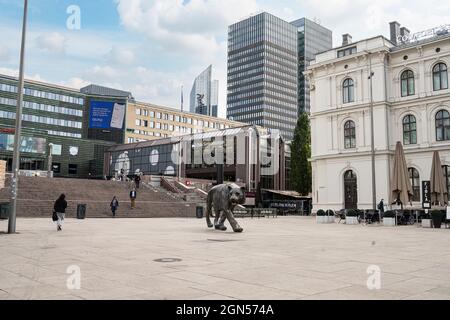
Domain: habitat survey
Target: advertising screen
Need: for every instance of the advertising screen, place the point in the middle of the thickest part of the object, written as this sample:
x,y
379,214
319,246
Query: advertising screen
x,y
28,144
106,115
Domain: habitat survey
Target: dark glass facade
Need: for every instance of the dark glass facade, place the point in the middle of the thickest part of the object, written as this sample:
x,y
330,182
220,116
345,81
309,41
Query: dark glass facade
x,y
51,115
312,39
263,73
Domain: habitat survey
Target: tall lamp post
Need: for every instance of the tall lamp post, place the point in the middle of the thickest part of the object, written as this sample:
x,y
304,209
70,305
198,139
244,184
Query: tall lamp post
x,y
372,135
17,136
50,159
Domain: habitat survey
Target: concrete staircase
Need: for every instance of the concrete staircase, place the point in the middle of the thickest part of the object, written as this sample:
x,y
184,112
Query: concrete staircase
x,y
37,196
190,194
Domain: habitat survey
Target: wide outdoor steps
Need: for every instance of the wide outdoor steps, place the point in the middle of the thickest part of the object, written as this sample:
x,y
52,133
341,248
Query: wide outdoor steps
x,y
37,196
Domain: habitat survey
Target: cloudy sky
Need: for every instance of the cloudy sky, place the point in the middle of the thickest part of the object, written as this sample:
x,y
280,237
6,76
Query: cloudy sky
x,y
154,47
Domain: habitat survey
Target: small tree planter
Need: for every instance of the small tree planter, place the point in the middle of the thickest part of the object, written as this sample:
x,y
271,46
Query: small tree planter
x,y
426,223
320,219
324,219
351,220
389,222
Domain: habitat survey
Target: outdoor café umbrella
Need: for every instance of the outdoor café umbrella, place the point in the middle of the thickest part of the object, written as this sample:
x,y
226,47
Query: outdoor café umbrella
x,y
438,188
401,189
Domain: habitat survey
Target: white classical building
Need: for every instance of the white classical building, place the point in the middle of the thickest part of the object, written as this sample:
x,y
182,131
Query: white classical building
x,y
411,104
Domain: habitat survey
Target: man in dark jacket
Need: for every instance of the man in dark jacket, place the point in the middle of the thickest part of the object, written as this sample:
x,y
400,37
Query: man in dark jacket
x,y
114,205
137,180
60,209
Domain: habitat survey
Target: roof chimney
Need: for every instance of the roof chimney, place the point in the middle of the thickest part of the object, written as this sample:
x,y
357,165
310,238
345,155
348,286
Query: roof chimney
x,y
395,31
346,39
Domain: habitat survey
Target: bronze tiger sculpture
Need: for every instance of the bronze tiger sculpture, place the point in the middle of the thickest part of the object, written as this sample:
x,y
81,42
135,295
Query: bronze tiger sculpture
x,y
224,198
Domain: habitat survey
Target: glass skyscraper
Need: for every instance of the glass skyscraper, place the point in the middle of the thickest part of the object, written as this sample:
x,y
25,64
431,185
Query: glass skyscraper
x,y
263,73
312,39
205,94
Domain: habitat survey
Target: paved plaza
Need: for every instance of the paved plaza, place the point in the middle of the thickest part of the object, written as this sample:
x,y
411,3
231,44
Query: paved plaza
x,y
276,258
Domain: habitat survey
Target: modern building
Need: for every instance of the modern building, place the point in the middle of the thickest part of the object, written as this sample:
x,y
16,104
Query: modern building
x,y
249,155
145,121
410,96
51,115
312,39
205,94
263,73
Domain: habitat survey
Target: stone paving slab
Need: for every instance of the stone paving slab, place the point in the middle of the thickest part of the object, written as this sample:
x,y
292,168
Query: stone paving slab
x,y
283,258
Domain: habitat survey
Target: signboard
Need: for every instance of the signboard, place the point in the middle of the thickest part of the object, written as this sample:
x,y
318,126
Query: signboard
x,y
250,198
8,130
106,115
27,144
430,33
426,194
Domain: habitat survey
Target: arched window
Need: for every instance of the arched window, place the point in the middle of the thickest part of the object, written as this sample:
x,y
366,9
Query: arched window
x,y
407,83
409,130
446,170
440,77
415,183
442,125
349,91
349,135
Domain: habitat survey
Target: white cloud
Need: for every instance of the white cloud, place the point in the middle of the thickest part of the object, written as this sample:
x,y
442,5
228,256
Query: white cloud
x,y
75,82
53,42
15,73
120,55
194,28
4,53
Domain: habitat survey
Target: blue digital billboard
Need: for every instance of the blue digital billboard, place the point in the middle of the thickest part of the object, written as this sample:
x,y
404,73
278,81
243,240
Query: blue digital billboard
x,y
106,115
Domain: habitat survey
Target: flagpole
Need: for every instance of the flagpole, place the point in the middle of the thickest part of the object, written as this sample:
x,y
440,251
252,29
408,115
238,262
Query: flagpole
x,y
17,135
182,100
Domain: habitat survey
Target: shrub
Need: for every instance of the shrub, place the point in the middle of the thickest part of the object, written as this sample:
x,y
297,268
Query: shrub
x,y
321,213
352,213
330,213
389,214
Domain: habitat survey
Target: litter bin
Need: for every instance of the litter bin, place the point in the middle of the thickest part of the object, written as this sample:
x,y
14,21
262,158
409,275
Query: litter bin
x,y
4,210
81,211
199,212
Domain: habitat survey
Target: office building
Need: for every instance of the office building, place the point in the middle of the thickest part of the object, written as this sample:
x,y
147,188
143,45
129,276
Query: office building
x,y
312,39
147,121
263,73
51,115
204,97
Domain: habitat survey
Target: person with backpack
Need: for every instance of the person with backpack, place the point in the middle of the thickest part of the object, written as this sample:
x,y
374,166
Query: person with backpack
x,y
60,211
114,205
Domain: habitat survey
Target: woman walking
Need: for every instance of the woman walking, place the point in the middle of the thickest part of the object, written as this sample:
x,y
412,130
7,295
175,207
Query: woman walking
x,y
114,205
60,209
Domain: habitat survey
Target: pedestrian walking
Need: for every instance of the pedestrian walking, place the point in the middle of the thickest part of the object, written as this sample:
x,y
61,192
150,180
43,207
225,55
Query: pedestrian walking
x,y
137,180
133,195
60,210
114,205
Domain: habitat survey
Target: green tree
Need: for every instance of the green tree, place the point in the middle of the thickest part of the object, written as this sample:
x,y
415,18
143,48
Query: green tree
x,y
301,176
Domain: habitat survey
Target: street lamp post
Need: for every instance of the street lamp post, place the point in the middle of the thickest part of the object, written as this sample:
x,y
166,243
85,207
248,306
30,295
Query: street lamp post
x,y
17,136
50,160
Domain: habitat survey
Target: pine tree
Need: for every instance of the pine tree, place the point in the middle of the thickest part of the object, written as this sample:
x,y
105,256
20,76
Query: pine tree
x,y
300,153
